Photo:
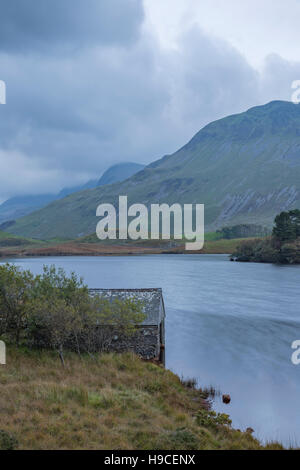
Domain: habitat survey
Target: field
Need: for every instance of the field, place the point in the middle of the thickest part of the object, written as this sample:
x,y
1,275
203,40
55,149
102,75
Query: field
x,y
107,402
13,246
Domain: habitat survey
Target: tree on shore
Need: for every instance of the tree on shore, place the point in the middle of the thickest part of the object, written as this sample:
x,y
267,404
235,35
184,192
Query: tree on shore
x,y
55,311
51,324
287,226
16,291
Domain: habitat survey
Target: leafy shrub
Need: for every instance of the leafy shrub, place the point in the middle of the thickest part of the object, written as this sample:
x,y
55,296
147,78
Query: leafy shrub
x,y
283,247
15,296
258,250
55,311
7,441
209,418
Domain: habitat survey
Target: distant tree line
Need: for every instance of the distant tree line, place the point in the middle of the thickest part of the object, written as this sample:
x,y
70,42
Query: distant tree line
x,y
243,231
55,311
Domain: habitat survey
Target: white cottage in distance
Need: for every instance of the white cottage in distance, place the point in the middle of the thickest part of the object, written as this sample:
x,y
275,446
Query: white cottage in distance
x,y
149,340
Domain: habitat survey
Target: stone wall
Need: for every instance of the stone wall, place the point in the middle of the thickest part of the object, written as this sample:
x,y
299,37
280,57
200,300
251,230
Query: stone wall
x,y
145,342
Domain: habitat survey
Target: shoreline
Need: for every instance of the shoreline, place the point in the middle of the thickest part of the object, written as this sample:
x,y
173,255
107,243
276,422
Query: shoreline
x,y
101,249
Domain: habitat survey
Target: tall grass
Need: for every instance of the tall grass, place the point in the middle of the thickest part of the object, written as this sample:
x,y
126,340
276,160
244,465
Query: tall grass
x,y
109,402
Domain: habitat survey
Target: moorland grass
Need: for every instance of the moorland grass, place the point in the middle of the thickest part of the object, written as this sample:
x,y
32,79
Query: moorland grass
x,y
108,401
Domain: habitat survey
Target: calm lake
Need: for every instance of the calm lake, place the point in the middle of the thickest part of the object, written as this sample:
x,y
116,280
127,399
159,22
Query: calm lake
x,y
230,325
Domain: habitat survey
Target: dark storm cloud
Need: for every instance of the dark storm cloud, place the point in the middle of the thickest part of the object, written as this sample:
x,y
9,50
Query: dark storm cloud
x,y
112,104
118,96
51,24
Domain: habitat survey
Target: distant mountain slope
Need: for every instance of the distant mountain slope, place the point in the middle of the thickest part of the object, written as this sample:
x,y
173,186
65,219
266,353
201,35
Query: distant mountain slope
x,y
19,206
119,172
74,189
245,169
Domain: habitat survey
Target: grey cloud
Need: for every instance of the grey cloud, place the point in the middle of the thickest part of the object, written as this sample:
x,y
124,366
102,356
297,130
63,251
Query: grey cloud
x,y
277,77
209,79
68,118
84,113
32,25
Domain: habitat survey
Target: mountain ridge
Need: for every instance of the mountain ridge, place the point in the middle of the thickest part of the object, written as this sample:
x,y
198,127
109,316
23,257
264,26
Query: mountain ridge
x,y
119,172
20,206
245,168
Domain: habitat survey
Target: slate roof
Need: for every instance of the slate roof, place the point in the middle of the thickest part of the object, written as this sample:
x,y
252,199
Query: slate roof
x,y
151,298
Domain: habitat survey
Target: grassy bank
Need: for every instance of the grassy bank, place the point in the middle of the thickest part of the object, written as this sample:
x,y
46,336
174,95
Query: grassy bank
x,y
109,402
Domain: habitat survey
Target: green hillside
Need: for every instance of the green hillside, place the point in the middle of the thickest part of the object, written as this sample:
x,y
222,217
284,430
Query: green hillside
x,y
245,169
9,240
20,206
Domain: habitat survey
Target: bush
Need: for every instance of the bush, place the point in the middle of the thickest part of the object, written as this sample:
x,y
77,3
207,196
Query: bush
x,y
209,418
7,441
260,251
16,290
54,311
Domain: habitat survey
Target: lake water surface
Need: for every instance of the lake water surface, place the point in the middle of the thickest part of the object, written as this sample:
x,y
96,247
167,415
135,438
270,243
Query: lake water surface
x,y
230,325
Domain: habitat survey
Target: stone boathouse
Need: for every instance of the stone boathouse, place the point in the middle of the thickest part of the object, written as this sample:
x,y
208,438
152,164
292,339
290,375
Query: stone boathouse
x,y
149,340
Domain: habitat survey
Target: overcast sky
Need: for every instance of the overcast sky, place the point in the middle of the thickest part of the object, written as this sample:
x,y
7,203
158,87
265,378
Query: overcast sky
x,y
94,82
